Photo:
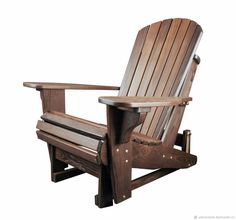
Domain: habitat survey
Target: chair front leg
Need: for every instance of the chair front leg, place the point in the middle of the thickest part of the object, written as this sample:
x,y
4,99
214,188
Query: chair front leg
x,y
120,126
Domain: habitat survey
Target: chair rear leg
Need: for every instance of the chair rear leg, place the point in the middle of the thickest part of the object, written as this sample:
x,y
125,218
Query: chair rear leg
x,y
104,197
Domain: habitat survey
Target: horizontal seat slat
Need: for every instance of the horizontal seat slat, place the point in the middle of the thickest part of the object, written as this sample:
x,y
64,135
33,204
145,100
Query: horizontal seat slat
x,y
77,150
143,139
76,124
91,129
68,135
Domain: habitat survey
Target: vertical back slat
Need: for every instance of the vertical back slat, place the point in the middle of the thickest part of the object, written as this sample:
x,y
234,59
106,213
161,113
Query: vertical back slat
x,y
133,61
187,51
173,124
143,62
158,65
159,79
182,44
164,29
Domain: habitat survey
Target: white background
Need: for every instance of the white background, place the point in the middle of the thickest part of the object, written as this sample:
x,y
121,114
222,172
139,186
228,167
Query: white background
x,y
90,42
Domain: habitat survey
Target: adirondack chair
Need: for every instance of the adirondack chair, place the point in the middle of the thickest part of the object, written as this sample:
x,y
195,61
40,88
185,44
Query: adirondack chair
x,y
142,121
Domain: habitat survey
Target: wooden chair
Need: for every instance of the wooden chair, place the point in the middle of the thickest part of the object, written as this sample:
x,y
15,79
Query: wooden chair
x,y
142,121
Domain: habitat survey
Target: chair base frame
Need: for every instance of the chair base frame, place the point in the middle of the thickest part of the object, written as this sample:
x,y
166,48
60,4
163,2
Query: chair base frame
x,y
59,171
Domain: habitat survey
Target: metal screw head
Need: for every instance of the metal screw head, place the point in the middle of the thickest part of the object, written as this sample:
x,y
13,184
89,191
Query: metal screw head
x,y
189,164
126,161
163,155
117,150
171,157
126,151
124,196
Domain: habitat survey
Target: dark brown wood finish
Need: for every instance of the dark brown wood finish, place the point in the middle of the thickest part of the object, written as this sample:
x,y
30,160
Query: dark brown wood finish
x,y
154,157
176,88
78,162
46,85
151,177
143,102
76,124
133,61
172,126
68,135
142,122
120,126
105,196
72,148
53,100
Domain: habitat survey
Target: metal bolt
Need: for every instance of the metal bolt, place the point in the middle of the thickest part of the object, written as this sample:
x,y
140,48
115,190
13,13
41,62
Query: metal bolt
x,y
117,150
126,161
171,157
124,196
126,151
163,155
189,164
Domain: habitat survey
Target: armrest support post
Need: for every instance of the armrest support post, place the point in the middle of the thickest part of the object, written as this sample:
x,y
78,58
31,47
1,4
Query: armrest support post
x,y
120,126
53,100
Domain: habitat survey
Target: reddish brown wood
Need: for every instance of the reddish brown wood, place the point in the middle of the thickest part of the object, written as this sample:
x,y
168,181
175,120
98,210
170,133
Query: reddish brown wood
x,y
63,86
153,157
133,61
66,174
151,177
143,139
77,150
56,165
173,124
142,102
169,72
68,135
144,58
78,162
142,122
120,126
53,100
154,58
76,124
104,197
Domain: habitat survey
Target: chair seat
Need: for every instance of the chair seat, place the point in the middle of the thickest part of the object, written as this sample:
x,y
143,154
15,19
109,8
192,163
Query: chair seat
x,y
80,137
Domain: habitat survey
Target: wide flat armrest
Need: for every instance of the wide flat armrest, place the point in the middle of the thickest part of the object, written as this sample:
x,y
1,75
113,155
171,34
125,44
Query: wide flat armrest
x,y
142,102
46,85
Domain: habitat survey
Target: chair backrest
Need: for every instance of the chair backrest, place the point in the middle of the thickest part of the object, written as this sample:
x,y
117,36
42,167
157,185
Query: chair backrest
x,y
159,63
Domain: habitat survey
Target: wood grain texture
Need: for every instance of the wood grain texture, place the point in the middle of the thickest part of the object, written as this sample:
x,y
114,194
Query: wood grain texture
x,y
76,124
120,126
68,135
142,122
77,150
153,157
104,198
172,126
151,177
173,71
144,58
53,100
52,86
133,61
144,139
56,165
137,102
169,73
66,174
78,162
